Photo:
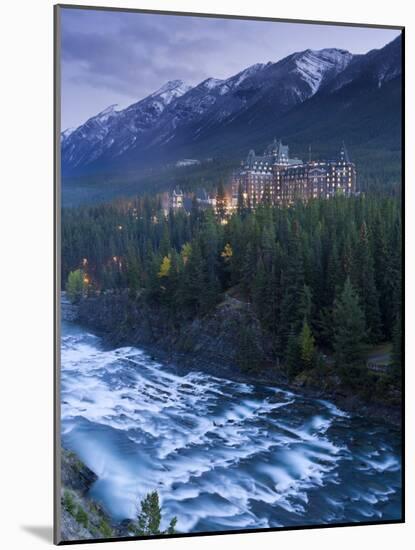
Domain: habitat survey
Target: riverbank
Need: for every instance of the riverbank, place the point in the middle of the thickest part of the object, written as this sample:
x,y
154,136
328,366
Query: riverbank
x,y
81,518
212,344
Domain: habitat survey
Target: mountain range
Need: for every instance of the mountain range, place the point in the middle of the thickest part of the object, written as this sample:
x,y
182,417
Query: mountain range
x,y
311,97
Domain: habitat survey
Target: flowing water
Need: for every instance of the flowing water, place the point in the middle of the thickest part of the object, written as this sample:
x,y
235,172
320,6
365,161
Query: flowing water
x,y
222,454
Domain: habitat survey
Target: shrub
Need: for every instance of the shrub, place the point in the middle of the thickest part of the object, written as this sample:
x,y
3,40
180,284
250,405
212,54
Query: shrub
x,y
82,517
105,528
149,518
68,502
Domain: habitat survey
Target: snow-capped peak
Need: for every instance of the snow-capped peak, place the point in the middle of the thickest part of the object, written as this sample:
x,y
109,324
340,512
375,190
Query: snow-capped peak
x,y
66,133
240,77
106,114
108,110
211,83
170,90
314,65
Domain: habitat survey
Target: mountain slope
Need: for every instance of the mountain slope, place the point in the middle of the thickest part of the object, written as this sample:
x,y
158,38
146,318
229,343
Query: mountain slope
x,y
319,98
373,69
176,114
112,132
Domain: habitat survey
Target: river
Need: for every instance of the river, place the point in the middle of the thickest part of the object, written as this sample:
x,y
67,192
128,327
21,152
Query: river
x,y
222,454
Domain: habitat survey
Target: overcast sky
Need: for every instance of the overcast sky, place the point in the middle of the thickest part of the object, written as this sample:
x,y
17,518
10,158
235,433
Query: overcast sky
x,y
120,57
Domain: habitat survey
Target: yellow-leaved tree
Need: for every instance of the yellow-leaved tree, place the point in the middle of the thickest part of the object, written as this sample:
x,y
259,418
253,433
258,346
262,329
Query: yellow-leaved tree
x,y
165,267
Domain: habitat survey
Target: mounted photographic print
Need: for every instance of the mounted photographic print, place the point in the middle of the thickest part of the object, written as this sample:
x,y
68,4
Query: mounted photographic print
x,y
229,300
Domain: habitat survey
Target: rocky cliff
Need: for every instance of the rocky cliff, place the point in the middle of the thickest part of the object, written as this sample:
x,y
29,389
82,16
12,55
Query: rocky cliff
x,y
80,516
214,343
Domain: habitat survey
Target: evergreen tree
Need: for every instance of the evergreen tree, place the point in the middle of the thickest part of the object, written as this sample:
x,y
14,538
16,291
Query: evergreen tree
x,y
241,205
293,364
133,273
174,282
209,241
366,286
149,518
324,324
249,355
292,288
307,347
221,202
260,292
306,303
249,268
226,265
193,280
349,332
153,285
333,279
165,246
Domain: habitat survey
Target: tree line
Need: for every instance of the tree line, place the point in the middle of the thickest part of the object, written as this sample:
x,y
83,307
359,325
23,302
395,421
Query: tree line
x,y
322,277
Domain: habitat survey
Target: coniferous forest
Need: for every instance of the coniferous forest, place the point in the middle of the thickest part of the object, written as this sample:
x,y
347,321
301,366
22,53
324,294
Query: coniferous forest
x,y
324,278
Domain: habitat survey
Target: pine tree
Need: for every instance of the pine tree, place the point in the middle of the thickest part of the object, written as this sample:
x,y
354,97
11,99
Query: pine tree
x,y
366,286
292,355
153,286
149,518
133,274
306,303
226,265
209,243
221,202
249,269
349,332
193,280
237,239
333,275
165,241
185,252
260,292
307,347
249,355
241,206
292,287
